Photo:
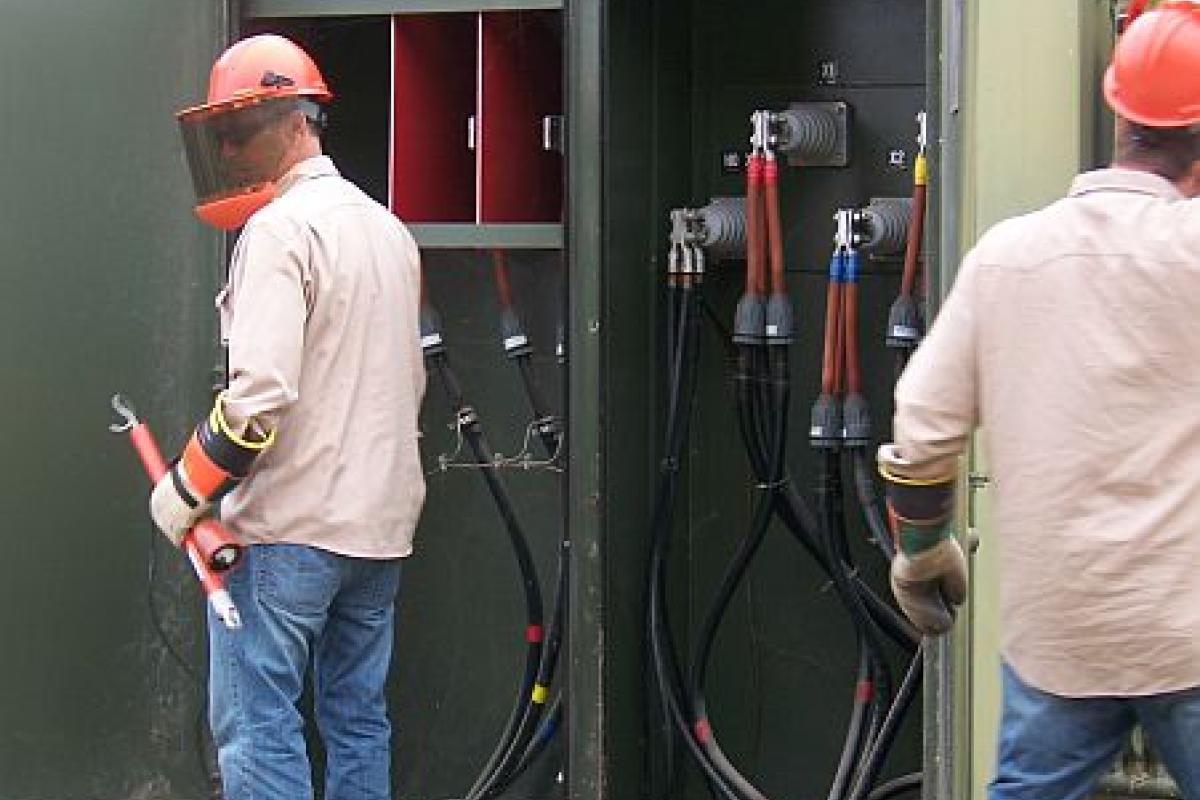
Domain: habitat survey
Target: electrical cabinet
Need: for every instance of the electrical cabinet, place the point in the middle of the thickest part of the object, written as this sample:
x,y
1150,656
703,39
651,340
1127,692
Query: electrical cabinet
x,y
476,117
470,120
556,135
453,113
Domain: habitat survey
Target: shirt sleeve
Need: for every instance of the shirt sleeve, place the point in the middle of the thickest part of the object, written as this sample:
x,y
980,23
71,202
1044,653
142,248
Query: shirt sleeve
x,y
266,336
937,397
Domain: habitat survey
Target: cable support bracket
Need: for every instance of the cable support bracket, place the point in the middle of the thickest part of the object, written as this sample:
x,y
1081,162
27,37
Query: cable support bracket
x,y
830,585
524,459
773,486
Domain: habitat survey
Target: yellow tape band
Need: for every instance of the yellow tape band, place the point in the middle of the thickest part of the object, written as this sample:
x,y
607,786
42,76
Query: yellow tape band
x,y
892,477
540,693
217,420
920,170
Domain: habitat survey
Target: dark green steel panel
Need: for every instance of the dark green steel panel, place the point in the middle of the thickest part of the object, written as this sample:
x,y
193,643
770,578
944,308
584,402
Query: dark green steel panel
x,y
108,286
646,170
946,749
677,96
548,236
587,512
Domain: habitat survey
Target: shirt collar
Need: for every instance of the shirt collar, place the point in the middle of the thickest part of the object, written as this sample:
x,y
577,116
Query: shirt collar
x,y
315,167
1117,179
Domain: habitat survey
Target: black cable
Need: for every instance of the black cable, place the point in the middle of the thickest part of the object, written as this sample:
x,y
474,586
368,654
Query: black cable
x,y
795,513
868,501
681,371
681,393
889,620
879,687
792,510
761,417
551,721
833,532
775,407
897,786
472,431
855,731
891,725
519,754
550,433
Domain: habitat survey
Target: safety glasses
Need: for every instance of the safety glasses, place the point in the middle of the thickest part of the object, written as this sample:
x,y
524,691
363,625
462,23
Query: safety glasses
x,y
238,127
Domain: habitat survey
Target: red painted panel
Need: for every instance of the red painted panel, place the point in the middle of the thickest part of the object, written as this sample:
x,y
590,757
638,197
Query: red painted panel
x,y
521,83
433,96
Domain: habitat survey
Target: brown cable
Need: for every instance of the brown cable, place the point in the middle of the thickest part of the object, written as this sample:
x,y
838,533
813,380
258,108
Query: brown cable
x,y
754,237
839,345
831,356
912,246
850,337
773,225
503,290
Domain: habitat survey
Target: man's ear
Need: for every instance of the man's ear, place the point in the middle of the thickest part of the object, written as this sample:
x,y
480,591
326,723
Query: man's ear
x,y
296,126
1194,176
1189,183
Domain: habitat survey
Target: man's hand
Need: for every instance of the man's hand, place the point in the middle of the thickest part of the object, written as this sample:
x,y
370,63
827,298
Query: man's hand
x,y
930,584
929,572
175,504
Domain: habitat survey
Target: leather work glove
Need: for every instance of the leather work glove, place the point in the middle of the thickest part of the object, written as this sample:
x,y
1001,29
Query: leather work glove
x,y
929,572
176,505
930,584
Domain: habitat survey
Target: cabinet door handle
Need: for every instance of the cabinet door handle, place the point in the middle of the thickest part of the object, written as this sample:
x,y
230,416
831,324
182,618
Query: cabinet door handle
x,y
552,133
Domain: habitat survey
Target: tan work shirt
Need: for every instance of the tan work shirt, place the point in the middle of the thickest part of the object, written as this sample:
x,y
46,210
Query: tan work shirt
x,y
320,314
1072,336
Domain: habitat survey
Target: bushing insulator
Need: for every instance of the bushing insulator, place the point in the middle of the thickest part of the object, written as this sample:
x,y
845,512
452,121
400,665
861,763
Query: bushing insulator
x,y
723,227
810,133
885,225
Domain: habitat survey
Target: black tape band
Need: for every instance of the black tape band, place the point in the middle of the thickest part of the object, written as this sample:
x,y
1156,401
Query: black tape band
x,y
924,503
184,494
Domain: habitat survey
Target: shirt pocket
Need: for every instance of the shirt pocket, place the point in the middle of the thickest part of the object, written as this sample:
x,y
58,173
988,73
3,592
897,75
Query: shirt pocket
x,y
224,305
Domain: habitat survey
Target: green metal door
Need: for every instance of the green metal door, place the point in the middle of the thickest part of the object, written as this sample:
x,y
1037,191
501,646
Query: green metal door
x,y
108,286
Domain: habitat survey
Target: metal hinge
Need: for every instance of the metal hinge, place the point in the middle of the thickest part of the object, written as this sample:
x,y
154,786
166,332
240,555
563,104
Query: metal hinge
x,y
975,482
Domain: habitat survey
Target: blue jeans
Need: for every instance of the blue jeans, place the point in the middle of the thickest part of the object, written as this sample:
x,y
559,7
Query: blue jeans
x,y
304,608
1058,748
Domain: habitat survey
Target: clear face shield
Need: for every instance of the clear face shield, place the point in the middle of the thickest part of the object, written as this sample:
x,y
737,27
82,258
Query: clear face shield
x,y
233,153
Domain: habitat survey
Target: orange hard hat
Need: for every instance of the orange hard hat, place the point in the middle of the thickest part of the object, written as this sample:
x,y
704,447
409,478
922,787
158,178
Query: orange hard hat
x,y
261,68
1154,77
242,87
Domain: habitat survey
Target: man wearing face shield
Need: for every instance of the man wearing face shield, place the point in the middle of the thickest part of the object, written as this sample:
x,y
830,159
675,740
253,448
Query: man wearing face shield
x,y
312,446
